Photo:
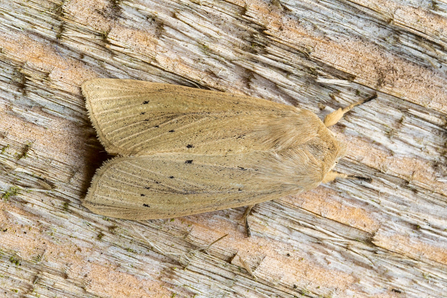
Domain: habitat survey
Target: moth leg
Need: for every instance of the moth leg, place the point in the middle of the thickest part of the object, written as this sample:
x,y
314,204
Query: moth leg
x,y
332,175
335,116
245,218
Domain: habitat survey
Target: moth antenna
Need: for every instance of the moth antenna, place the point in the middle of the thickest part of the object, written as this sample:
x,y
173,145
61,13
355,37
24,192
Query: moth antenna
x,y
335,116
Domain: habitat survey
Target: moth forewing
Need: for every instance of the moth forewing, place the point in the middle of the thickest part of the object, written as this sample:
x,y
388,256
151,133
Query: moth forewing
x,y
141,118
172,185
185,151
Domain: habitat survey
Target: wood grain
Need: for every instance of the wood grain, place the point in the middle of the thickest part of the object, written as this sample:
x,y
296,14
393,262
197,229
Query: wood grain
x,y
344,239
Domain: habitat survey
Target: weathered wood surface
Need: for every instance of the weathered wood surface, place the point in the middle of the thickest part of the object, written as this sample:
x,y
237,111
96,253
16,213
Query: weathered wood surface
x,y
346,239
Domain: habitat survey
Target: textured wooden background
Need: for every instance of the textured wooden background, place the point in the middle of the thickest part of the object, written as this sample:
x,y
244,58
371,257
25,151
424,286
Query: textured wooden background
x,y
387,238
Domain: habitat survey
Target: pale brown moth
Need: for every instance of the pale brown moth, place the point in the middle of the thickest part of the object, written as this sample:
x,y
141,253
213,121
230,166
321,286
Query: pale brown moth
x,y
184,151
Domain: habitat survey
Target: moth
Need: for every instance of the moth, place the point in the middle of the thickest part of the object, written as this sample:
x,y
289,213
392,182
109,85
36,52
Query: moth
x,y
183,151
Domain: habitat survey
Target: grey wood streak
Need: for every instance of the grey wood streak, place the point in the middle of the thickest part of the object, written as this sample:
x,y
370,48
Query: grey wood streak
x,y
345,239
